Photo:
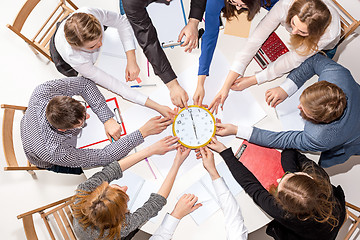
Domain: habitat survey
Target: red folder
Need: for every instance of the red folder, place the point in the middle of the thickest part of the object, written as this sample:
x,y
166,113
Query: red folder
x,y
264,163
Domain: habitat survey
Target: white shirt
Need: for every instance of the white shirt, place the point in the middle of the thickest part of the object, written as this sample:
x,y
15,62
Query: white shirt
x,y
290,60
234,221
83,60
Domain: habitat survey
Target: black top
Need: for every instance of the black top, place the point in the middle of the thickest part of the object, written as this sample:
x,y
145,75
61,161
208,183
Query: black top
x,y
146,35
287,227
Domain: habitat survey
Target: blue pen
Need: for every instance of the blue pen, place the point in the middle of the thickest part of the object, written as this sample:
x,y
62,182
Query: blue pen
x,y
143,85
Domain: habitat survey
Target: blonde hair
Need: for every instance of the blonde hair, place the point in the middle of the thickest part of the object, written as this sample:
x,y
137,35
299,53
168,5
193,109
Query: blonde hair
x,y
324,102
104,208
81,28
316,15
308,198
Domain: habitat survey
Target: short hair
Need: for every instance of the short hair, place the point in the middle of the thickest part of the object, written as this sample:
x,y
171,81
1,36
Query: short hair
x,y
104,208
316,15
81,28
253,7
64,112
324,102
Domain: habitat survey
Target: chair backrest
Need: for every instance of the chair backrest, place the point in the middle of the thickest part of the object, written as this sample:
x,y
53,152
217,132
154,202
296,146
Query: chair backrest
x,y
7,139
348,22
351,211
40,41
57,217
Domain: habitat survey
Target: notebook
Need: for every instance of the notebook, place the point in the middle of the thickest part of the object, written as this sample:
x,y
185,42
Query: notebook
x,y
94,132
271,50
264,163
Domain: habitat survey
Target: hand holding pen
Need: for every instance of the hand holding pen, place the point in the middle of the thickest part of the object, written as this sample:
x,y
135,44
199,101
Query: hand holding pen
x,y
119,121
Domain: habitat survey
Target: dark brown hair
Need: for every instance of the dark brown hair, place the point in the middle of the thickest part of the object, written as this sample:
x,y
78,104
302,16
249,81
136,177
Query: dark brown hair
x,y
316,15
64,112
104,208
81,28
324,102
253,7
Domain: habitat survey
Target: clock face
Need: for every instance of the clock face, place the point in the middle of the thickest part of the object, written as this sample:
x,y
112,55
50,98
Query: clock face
x,y
194,126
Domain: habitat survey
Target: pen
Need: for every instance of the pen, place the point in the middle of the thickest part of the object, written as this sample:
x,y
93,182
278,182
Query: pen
x,y
118,116
143,85
147,161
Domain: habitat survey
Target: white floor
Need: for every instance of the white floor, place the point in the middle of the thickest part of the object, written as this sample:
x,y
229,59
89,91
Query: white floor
x,y
21,71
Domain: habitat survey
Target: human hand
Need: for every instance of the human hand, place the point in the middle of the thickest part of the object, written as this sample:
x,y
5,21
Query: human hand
x,y
190,31
219,99
223,129
243,83
132,69
155,126
177,94
112,129
216,145
164,145
167,112
181,155
274,96
199,95
185,205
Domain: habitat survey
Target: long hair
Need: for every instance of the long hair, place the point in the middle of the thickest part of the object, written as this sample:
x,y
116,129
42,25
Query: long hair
x,y
316,15
253,7
325,102
64,112
104,208
308,198
81,28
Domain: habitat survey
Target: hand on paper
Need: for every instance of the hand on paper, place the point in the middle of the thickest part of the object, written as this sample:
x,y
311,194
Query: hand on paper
x,y
112,129
219,100
181,155
185,205
177,94
243,83
155,126
274,96
164,145
190,31
225,129
216,145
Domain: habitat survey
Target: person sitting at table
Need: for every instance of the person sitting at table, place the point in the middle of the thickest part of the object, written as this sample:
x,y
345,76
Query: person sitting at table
x,y
76,44
53,120
314,25
304,205
234,221
100,208
329,107
146,35
213,11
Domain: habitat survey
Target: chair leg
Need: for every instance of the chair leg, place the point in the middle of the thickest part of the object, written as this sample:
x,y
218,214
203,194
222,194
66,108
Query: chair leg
x,y
32,173
33,49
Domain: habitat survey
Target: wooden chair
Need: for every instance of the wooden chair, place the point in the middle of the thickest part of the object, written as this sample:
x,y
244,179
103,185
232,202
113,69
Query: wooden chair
x,y
57,218
355,220
40,41
348,23
7,138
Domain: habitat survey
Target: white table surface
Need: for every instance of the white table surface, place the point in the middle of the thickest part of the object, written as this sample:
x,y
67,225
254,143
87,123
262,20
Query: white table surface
x,y
213,228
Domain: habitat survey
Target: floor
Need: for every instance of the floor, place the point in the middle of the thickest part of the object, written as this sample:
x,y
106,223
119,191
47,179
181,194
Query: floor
x,y
21,71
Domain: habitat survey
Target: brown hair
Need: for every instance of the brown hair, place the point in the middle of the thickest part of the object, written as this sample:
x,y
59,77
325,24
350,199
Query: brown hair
x,y
316,15
308,198
253,7
64,112
104,208
81,28
324,102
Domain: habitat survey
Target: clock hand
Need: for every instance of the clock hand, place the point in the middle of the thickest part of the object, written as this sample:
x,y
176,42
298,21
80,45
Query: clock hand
x,y
193,124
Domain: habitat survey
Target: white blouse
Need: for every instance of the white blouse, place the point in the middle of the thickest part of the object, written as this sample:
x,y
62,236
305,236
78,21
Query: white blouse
x,y
290,60
83,60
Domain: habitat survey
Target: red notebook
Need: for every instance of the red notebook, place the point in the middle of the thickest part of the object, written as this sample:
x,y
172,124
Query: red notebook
x,y
272,48
264,163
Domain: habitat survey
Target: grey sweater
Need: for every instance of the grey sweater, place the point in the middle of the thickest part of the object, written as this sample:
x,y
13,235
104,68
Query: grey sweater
x,y
133,220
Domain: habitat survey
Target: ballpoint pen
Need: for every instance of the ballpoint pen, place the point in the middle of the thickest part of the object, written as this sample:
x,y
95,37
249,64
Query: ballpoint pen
x,y
147,161
143,85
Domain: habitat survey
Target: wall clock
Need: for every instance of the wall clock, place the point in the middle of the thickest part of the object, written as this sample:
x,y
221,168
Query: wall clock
x,y
194,126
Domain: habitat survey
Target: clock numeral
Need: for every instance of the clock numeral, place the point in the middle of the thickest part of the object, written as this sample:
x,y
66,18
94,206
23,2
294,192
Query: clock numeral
x,y
198,142
211,130
182,114
199,110
211,121
190,110
177,131
206,114
179,122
